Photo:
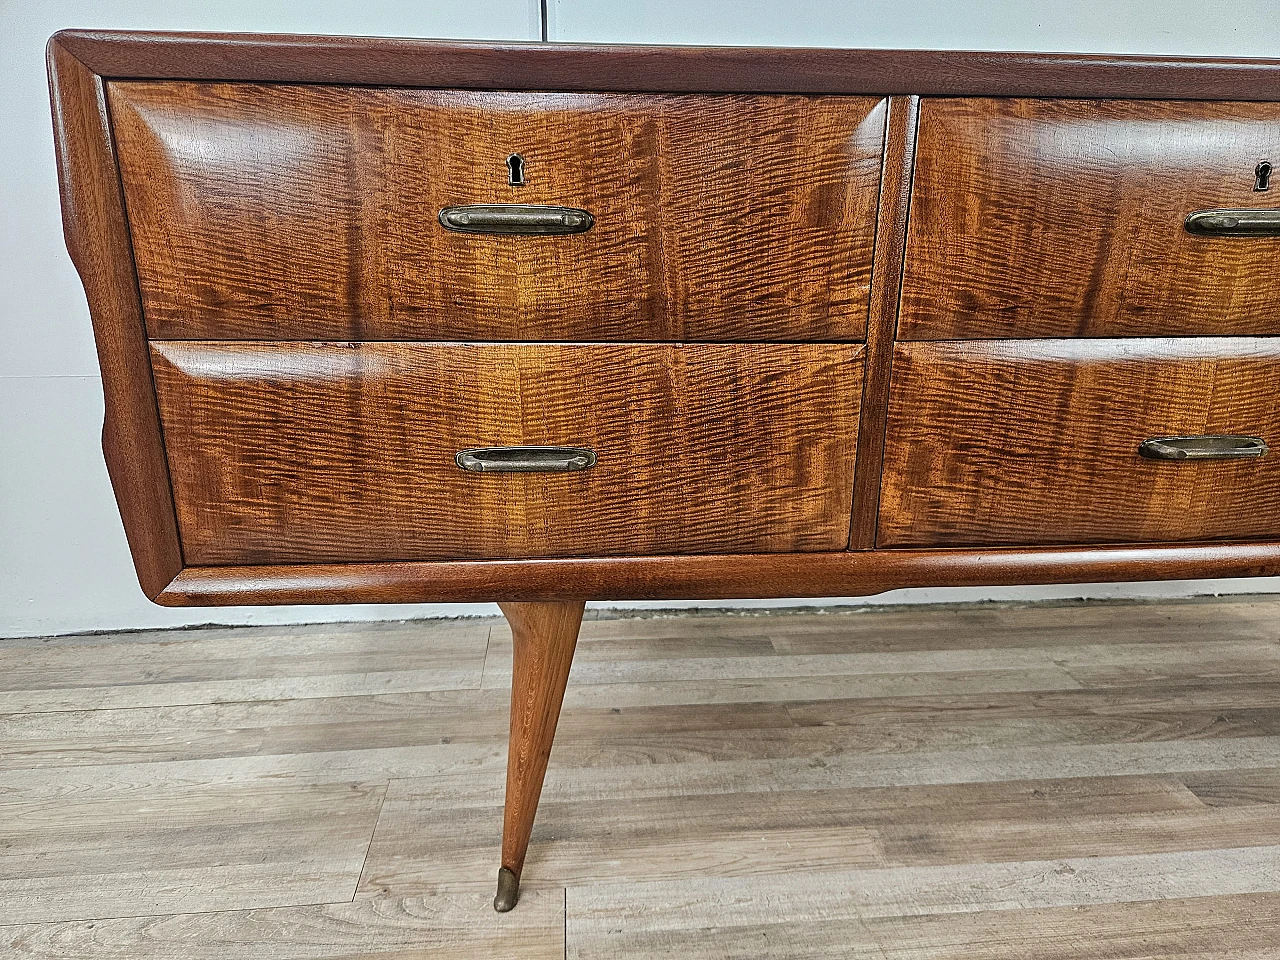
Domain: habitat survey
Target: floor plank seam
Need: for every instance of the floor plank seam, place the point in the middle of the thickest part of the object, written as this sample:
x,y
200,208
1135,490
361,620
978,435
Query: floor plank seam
x,y
231,703
373,833
66,921
484,662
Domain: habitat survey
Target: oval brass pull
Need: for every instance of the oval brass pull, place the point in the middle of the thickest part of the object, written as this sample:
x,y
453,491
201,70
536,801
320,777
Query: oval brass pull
x,y
1202,448
1234,223
522,219
525,459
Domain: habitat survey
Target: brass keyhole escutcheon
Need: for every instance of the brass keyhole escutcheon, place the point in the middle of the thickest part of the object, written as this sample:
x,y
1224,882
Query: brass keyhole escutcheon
x,y
1262,176
515,170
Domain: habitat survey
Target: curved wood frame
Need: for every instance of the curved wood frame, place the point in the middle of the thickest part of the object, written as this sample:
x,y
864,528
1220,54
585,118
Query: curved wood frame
x,y
97,235
532,65
723,577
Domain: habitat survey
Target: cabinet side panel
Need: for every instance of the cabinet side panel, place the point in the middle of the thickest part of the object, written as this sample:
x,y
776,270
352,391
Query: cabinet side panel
x,y
97,238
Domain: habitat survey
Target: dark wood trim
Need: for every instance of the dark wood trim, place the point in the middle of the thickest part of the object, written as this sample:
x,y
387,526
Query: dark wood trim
x,y
858,573
559,66
886,283
97,237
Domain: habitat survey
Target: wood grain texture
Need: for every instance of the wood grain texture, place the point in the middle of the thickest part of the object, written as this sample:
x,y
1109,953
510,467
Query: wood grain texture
x,y
285,212
425,843
1037,442
446,927
230,666
544,636
329,452
827,911
1061,218
848,574
886,281
590,67
93,220
199,847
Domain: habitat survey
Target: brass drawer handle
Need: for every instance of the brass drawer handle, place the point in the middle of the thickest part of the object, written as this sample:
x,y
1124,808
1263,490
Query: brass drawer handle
x,y
525,459
1202,448
1234,223
523,219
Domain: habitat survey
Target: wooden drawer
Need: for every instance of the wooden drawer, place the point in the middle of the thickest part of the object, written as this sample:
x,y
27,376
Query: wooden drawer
x,y
311,213
1066,218
1037,442
318,452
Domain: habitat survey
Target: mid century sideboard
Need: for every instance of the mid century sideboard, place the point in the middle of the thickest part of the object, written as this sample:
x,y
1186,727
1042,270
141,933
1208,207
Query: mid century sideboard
x,y
390,320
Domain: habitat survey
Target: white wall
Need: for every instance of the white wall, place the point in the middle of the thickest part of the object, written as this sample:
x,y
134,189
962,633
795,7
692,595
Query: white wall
x,y
1240,28
64,565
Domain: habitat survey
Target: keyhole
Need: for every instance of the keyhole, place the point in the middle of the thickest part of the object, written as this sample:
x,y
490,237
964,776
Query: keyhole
x,y
515,170
1262,176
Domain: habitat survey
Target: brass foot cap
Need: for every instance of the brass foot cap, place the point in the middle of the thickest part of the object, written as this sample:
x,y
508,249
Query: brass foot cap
x,y
508,891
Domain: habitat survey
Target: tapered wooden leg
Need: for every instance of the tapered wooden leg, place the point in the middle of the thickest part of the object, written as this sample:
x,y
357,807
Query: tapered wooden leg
x,y
545,635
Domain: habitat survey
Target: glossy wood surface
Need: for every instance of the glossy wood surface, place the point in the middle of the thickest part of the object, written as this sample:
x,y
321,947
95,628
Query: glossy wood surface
x,y
329,452
1062,218
534,67
891,229
844,574
96,232
1037,442
278,213
543,639
590,67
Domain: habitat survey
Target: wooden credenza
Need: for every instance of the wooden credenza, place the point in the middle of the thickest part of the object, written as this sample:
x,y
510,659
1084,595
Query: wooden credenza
x,y
414,321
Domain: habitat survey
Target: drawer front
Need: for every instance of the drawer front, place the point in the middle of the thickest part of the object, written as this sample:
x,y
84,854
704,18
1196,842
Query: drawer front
x,y
1037,442
1066,218
312,213
325,452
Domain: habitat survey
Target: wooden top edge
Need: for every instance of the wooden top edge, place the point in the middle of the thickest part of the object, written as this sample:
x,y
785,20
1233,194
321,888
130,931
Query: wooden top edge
x,y
846,574
532,65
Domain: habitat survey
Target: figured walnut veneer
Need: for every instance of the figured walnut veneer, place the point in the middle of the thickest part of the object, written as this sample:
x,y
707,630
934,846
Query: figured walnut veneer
x,y
309,213
1064,218
1035,441
304,452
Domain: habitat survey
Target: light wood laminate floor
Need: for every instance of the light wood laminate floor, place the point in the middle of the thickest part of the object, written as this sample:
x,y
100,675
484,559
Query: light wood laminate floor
x,y
982,782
